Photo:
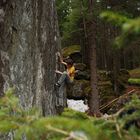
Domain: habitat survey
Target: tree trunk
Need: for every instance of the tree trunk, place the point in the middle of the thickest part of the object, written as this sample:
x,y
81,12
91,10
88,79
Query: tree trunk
x,y
84,42
94,96
29,41
116,70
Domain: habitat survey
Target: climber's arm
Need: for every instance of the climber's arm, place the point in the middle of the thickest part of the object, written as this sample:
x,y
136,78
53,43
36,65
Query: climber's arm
x,y
64,63
59,72
61,59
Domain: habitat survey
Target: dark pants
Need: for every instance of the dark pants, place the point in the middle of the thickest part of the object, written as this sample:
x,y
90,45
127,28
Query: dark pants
x,y
64,79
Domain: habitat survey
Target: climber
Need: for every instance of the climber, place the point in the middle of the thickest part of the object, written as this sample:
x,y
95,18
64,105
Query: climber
x,y
67,77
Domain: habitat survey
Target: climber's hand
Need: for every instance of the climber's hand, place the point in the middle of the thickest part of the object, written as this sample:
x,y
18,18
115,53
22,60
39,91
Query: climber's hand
x,y
58,54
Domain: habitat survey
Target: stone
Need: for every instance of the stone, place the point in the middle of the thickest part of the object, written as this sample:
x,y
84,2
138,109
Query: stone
x,y
80,66
76,57
77,89
73,52
103,75
67,51
82,75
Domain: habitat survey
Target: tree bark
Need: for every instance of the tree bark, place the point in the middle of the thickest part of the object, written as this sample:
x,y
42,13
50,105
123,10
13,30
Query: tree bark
x,y
94,96
29,41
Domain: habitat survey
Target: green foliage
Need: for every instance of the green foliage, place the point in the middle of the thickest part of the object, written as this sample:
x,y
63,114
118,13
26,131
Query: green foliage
x,y
70,15
130,28
70,125
69,113
114,18
134,81
63,9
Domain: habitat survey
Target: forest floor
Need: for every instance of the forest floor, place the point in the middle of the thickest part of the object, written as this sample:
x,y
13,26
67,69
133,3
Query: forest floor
x,y
130,88
134,74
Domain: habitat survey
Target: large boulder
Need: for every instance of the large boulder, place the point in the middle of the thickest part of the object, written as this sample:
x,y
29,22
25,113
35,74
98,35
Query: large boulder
x,y
82,75
103,75
73,52
80,66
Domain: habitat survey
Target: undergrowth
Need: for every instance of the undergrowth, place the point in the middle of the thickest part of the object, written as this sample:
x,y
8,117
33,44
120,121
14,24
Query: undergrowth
x,y
71,125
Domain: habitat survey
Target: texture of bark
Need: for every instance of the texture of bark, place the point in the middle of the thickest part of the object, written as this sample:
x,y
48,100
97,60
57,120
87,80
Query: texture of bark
x,y
94,96
29,39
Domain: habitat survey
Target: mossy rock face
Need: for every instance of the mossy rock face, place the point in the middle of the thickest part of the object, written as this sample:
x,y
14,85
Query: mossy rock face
x,y
82,75
74,52
77,89
103,75
76,57
106,90
67,51
80,66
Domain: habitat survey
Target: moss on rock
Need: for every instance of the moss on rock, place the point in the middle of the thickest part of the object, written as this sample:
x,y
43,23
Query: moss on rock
x,y
77,89
103,75
67,51
134,81
80,66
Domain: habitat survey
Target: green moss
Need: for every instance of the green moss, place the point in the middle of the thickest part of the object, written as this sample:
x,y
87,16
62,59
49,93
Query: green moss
x,y
102,75
87,90
134,81
69,113
135,73
71,49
